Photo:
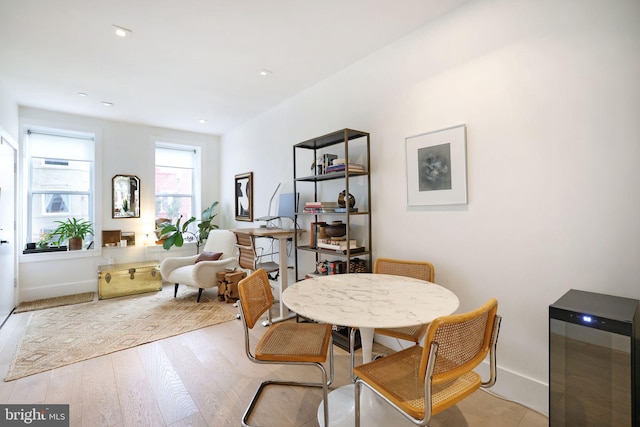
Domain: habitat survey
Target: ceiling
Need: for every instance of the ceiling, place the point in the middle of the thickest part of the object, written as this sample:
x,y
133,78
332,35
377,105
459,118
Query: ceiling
x,y
189,60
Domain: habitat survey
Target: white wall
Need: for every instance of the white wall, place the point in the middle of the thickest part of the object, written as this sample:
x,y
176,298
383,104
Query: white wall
x,y
550,94
125,149
8,114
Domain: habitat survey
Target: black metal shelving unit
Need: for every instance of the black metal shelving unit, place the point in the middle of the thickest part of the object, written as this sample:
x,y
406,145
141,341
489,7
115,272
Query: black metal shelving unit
x,y
348,141
341,138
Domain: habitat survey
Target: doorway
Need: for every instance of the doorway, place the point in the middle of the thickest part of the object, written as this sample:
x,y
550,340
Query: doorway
x,y
8,157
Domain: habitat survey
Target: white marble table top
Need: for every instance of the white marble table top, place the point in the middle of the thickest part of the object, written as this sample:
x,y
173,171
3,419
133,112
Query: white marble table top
x,y
368,300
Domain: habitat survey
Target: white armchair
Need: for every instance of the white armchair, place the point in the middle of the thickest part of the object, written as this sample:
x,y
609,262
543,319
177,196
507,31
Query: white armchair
x,y
202,274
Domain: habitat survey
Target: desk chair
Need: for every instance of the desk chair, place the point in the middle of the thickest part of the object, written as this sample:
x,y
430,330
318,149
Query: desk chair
x,y
286,343
421,382
248,257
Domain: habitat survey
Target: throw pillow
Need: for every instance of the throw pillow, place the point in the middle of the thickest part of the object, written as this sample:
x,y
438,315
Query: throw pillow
x,y
209,256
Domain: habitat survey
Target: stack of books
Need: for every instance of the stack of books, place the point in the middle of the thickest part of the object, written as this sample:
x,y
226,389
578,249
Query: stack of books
x,y
339,245
320,207
339,165
324,162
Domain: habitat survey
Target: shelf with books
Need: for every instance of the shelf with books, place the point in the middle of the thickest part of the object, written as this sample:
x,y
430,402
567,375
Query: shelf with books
x,y
320,207
331,175
337,212
341,167
339,245
353,253
340,159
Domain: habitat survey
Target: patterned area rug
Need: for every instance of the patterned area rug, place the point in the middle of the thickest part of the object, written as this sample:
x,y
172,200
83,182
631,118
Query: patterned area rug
x,y
55,302
64,335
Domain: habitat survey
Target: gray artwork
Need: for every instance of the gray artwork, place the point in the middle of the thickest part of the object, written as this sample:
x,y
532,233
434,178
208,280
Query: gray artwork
x,y
434,168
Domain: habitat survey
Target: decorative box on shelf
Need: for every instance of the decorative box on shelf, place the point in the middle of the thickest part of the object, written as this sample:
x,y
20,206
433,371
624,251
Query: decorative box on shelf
x,y
115,280
111,237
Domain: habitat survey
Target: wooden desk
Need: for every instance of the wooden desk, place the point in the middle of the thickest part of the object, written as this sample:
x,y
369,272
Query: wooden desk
x,y
281,235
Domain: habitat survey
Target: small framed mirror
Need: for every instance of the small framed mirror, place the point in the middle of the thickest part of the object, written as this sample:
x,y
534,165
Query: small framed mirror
x,y
125,196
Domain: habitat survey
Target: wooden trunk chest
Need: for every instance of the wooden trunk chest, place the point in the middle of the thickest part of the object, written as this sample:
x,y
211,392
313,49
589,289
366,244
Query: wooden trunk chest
x,y
116,280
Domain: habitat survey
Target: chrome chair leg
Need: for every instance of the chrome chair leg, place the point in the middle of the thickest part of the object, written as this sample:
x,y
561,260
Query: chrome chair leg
x,y
357,403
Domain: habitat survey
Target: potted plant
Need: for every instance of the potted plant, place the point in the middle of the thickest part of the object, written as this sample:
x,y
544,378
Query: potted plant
x,y
74,230
174,234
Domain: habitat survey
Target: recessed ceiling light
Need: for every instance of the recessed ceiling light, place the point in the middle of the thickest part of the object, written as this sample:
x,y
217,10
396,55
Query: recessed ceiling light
x,y
107,104
202,120
121,32
82,94
265,72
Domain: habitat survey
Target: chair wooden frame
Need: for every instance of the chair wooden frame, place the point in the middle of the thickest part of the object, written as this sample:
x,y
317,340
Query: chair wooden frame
x,y
440,374
285,343
422,270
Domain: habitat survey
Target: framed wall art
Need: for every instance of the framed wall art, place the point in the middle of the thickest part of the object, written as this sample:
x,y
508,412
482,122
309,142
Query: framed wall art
x,y
436,167
244,197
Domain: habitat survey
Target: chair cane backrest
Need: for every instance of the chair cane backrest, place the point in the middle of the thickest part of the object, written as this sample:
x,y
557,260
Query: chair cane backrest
x,y
417,269
246,250
463,342
255,296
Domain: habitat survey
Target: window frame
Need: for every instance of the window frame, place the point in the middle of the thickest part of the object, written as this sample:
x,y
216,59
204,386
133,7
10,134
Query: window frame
x,y
196,177
94,194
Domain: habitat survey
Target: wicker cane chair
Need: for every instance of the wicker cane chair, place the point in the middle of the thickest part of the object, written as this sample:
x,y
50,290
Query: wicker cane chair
x,y
286,343
421,382
418,270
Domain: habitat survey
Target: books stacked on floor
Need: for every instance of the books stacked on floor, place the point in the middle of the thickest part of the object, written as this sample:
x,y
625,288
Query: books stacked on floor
x,y
320,207
339,245
339,165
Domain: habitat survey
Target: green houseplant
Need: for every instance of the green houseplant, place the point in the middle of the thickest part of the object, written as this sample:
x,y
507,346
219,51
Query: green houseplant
x,y
174,234
73,230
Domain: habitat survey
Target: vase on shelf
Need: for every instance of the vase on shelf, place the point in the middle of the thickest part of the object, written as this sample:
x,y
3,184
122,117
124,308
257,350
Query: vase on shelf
x,y
342,202
336,229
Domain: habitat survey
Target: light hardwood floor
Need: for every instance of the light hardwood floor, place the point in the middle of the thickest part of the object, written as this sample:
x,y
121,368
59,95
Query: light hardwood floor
x,y
202,378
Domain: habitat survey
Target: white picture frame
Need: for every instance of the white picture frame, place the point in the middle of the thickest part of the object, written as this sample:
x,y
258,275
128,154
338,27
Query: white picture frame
x,y
436,167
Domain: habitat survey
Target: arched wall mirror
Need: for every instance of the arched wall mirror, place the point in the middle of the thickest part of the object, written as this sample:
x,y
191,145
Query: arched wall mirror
x,y
125,196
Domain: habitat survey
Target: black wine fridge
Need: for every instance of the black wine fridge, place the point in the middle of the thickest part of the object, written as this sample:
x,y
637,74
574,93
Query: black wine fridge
x,y
594,361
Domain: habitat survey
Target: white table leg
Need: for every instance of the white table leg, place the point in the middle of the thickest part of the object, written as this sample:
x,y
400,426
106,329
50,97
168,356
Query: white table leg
x,y
366,340
374,412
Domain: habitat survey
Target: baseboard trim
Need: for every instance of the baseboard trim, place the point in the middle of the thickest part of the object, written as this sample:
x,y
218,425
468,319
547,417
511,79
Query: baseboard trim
x,y
518,388
59,289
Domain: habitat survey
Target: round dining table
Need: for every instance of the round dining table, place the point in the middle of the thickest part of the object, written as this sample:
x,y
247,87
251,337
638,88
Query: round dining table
x,y
367,301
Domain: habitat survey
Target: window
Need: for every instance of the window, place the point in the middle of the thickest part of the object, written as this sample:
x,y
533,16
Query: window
x,y
56,203
60,180
177,176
